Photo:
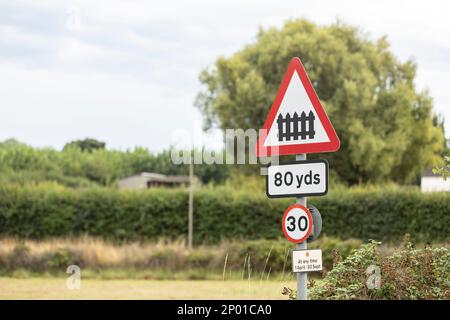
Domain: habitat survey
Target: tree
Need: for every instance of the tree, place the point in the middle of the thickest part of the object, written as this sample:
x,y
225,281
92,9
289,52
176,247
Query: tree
x,y
444,171
87,144
387,128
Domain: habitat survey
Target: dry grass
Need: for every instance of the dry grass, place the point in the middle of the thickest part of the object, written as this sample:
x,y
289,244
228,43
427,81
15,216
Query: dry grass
x,y
225,258
97,253
242,259
43,288
93,252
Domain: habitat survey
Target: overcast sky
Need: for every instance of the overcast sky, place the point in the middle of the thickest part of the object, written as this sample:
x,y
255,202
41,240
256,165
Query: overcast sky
x,y
126,72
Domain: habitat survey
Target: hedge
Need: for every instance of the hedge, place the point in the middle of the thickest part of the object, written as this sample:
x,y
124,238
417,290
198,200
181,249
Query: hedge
x,y
51,211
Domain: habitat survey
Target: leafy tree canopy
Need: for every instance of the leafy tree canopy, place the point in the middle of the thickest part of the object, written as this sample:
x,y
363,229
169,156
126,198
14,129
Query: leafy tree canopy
x,y
72,167
87,144
387,128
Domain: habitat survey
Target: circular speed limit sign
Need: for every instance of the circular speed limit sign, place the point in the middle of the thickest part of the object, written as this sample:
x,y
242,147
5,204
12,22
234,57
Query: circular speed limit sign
x,y
297,223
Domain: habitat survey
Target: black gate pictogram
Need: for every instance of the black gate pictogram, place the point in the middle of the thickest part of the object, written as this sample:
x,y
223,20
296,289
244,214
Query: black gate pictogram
x,y
295,127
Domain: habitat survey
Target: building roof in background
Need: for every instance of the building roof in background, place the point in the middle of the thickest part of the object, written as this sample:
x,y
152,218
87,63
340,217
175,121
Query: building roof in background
x,y
429,173
157,177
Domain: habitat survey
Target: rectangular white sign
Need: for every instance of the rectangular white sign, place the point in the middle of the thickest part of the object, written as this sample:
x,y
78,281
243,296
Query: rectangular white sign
x,y
306,260
298,178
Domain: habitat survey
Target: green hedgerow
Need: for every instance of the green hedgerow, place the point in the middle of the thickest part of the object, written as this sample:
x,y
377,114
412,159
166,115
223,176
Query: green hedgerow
x,y
43,211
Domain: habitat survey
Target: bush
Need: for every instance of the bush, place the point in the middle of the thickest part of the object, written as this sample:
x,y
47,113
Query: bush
x,y
408,274
220,213
60,259
330,246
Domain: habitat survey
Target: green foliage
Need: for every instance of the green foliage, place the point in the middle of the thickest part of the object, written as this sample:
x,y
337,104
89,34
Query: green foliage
x,y
408,274
445,170
387,128
87,144
73,167
330,246
220,213
60,259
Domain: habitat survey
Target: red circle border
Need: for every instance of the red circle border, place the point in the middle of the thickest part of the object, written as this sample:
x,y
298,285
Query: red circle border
x,y
306,210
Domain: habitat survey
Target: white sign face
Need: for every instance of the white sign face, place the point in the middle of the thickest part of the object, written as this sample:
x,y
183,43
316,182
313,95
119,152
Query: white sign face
x,y
300,178
297,122
296,102
306,260
297,223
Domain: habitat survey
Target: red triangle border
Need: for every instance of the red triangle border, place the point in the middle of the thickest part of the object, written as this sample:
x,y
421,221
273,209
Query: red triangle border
x,y
318,147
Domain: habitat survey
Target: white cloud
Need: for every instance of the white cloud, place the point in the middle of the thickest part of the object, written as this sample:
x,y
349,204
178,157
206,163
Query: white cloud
x,y
74,51
132,65
51,108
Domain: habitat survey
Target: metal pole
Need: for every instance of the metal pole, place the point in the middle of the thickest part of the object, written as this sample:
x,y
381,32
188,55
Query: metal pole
x,y
191,204
302,277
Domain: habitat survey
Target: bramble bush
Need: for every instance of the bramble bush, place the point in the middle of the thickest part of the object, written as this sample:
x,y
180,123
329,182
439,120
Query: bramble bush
x,y
409,273
49,210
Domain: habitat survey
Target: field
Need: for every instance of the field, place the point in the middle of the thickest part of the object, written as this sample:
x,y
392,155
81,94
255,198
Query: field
x,y
55,288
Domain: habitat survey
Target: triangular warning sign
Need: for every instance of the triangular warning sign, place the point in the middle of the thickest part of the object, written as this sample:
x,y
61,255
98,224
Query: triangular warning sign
x,y
297,122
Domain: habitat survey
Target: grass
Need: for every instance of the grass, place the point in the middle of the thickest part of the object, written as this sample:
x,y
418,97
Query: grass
x,y
258,269
160,274
55,288
94,252
161,258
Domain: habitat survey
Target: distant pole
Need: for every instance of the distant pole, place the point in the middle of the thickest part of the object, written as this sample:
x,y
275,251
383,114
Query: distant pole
x,y
191,203
302,278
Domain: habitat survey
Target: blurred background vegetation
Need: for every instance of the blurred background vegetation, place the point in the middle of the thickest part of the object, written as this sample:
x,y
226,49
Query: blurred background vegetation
x,y
389,135
388,129
87,163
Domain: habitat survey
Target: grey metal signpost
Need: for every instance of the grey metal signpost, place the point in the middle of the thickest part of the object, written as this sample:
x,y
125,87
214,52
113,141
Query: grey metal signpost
x,y
297,124
302,277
